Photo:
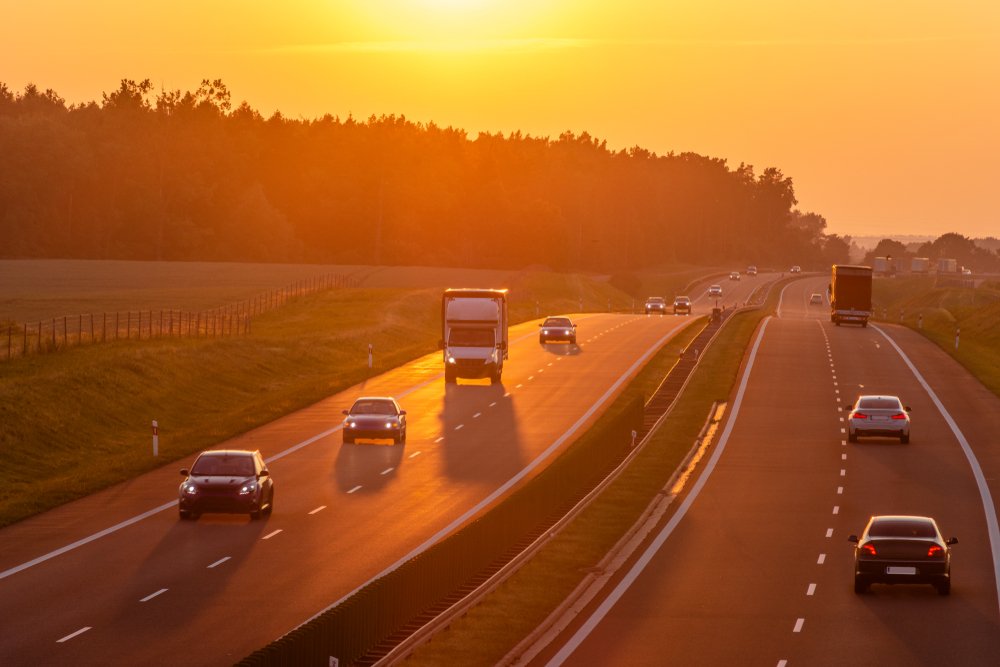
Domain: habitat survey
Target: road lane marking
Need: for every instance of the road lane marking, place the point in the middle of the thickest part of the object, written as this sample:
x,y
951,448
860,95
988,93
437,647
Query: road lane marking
x,y
357,488
272,534
843,457
630,577
476,415
493,404
843,430
843,443
530,378
518,386
782,663
153,595
984,490
318,509
439,440
75,634
836,509
829,532
843,472
459,427
821,559
387,471
840,490
836,391
414,455
811,590
798,625
218,562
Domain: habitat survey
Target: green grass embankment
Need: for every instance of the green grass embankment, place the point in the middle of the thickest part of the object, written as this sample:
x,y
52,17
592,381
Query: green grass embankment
x,y
937,312
487,632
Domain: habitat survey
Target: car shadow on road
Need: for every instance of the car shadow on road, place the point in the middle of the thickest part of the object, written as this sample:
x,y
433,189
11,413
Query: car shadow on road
x,y
474,447
369,464
562,349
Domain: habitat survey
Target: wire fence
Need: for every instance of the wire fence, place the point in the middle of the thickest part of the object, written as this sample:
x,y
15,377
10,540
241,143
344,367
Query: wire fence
x,y
234,319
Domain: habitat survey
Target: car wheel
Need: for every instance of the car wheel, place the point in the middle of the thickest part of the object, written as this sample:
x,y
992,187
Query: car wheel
x,y
861,584
254,515
943,586
185,515
449,377
852,437
495,378
905,439
864,325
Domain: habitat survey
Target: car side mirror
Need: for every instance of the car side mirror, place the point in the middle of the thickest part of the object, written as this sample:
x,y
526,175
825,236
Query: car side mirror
x,y
345,412
402,412
907,408
852,538
263,473
185,472
952,540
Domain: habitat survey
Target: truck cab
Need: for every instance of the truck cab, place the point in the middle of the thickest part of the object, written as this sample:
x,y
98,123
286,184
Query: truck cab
x,y
474,338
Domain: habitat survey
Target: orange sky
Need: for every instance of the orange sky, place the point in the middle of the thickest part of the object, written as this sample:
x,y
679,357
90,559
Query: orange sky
x,y
886,113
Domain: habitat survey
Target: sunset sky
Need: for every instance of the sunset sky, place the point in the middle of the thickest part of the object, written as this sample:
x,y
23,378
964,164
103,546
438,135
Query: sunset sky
x,y
886,114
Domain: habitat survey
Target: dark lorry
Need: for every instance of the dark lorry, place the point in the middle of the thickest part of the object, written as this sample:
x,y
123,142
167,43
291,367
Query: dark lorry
x,y
851,294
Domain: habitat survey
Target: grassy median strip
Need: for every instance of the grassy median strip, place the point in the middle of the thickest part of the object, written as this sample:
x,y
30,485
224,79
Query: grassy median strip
x,y
494,627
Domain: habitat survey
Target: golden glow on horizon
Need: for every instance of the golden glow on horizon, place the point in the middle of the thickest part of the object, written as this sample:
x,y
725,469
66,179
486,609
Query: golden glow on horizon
x,y
883,113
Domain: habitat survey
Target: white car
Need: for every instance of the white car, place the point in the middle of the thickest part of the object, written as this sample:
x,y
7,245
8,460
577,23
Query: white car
x,y
816,299
715,290
796,269
734,275
884,416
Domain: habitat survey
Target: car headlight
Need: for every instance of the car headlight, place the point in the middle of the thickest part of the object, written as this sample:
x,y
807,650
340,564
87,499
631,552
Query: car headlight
x,y
248,488
190,489
351,425
451,360
545,331
391,425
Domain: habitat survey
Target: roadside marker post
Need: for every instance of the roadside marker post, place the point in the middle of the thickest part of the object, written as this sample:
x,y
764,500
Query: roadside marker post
x,y
370,347
156,438
957,331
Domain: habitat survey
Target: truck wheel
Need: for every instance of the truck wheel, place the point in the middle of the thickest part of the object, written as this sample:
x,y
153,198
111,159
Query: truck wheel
x,y
495,378
449,377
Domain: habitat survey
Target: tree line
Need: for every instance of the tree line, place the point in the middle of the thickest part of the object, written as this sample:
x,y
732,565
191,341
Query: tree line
x,y
174,175
974,254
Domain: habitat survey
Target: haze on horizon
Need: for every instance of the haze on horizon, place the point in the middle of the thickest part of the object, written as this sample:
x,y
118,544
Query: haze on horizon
x,y
885,114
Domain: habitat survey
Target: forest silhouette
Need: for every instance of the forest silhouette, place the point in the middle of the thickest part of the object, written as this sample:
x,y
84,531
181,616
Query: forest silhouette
x,y
174,175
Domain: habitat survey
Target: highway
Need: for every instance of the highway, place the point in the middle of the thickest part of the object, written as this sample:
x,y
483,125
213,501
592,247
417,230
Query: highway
x,y
754,566
116,578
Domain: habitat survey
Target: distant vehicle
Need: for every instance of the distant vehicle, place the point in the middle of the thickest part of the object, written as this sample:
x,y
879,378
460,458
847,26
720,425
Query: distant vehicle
x,y
883,266
375,418
751,271
682,305
231,481
796,269
656,304
734,275
815,299
879,416
557,328
945,265
851,294
474,336
897,549
920,265
715,290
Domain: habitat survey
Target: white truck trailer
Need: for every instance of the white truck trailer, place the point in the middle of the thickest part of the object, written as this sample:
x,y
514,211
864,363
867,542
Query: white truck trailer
x,y
474,333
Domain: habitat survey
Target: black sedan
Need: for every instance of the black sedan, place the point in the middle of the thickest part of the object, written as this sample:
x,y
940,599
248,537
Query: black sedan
x,y
897,549
557,328
375,418
233,481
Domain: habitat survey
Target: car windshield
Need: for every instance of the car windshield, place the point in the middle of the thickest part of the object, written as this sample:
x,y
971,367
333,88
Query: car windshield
x,y
471,338
879,404
215,464
902,528
373,408
654,299
558,322
682,299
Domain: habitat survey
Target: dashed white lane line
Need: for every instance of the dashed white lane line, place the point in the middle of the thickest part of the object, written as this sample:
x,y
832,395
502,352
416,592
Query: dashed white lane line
x,y
836,509
843,443
439,440
518,386
540,370
459,427
493,404
829,532
798,625
841,419
153,595
843,473
811,590
218,562
475,416
74,634
549,364
272,534
840,490
843,457
782,663
387,471
357,488
821,559
318,509
414,455
843,430
530,378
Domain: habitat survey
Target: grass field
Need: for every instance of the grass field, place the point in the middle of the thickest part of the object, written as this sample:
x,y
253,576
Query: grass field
x,y
71,422
937,312
487,632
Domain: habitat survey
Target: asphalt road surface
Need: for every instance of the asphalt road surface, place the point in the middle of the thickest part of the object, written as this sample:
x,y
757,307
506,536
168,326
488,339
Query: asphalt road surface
x,y
758,571
116,578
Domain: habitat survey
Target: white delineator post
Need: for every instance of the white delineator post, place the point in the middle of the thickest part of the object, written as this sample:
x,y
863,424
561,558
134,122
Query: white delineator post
x,y
156,438
957,331
370,347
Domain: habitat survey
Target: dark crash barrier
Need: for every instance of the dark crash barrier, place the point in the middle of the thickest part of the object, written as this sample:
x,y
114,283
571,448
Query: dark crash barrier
x,y
395,603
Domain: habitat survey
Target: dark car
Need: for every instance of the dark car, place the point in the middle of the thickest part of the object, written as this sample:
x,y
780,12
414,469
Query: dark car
x,y
656,304
557,328
233,481
375,418
902,550
682,305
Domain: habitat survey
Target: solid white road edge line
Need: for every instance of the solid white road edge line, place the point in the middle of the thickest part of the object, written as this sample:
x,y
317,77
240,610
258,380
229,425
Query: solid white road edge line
x,y
525,471
70,636
153,595
633,574
984,489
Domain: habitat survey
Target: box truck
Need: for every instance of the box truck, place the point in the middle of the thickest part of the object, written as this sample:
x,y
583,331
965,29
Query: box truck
x,y
474,333
851,294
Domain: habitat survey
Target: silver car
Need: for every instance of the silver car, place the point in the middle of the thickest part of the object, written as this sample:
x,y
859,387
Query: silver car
x,y
373,418
879,416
